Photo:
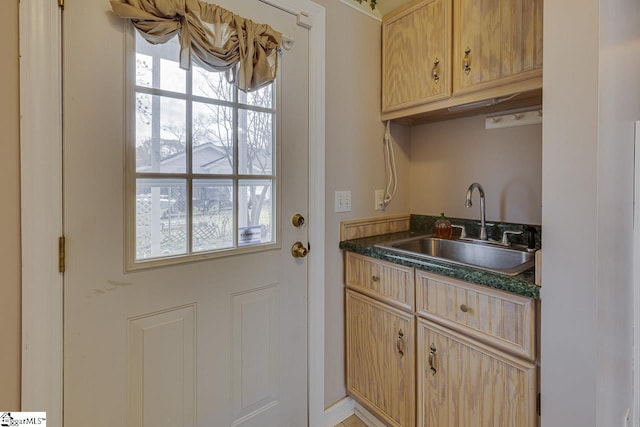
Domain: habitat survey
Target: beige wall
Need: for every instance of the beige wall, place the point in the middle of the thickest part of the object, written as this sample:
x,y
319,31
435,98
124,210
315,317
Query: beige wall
x,y
587,217
354,158
10,212
618,109
446,157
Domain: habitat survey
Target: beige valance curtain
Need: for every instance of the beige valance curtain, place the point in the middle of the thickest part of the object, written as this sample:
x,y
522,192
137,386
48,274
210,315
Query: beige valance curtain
x,y
215,38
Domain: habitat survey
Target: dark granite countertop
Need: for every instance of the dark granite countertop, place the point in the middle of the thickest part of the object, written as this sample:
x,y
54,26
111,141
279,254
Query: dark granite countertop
x,y
522,284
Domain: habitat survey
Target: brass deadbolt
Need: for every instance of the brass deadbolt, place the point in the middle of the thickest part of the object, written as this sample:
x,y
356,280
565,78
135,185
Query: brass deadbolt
x,y
297,220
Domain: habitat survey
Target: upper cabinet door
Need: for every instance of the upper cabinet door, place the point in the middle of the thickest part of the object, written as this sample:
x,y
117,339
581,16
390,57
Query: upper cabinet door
x,y
416,54
496,42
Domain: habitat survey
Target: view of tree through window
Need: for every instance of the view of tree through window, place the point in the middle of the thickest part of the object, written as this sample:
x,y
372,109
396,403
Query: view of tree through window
x,y
204,159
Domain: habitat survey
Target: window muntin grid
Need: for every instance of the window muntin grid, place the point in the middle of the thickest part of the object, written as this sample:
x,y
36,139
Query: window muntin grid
x,y
204,161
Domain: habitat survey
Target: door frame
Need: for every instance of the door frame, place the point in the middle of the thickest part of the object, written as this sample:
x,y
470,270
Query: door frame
x,y
42,204
636,280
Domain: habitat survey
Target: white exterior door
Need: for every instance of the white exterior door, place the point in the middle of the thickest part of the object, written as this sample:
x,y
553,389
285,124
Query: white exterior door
x,y
217,342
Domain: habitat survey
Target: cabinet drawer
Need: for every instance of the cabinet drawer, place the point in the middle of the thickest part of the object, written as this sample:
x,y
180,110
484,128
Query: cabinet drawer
x,y
383,280
496,317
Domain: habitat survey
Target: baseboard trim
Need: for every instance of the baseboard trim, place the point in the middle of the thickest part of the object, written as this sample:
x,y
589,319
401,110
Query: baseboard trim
x,y
339,411
343,409
367,417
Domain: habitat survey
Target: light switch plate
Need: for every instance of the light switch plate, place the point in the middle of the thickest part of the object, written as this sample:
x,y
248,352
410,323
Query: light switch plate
x,y
343,201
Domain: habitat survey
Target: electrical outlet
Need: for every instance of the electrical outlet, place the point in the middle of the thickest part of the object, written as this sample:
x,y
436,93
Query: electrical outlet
x,y
379,200
627,419
343,201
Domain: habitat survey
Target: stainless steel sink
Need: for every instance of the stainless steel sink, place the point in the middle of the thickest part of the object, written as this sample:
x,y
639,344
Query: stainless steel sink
x,y
486,256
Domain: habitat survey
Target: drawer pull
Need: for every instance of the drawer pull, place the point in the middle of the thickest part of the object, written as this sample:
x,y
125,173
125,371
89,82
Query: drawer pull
x,y
464,308
466,62
432,359
375,278
400,343
434,72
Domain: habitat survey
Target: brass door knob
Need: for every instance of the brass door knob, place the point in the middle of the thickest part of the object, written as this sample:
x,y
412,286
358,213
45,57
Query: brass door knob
x,y
297,220
298,250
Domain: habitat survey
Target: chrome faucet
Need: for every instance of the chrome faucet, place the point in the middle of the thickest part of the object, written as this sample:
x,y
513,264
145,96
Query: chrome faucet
x,y
483,228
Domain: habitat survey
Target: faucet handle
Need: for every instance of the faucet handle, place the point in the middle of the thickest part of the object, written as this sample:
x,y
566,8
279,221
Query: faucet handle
x,y
505,238
463,232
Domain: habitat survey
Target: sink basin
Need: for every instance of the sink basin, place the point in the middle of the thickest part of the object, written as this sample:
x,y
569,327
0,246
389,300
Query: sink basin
x,y
485,256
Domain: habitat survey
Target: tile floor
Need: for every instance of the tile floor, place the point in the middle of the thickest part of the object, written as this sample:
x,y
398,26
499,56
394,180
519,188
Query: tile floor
x,y
352,421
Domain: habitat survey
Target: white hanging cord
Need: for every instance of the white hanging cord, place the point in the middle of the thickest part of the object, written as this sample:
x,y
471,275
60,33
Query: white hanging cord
x,y
391,175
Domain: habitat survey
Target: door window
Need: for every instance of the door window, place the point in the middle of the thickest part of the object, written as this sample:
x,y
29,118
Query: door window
x,y
202,173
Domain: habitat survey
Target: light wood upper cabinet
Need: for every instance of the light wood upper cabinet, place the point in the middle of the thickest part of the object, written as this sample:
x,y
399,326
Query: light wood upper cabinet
x,y
381,358
462,382
416,54
488,50
496,42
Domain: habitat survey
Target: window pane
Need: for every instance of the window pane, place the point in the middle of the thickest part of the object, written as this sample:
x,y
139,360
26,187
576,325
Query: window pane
x,y
172,77
255,212
144,70
226,164
160,134
256,138
212,139
212,215
211,85
161,218
262,97
157,66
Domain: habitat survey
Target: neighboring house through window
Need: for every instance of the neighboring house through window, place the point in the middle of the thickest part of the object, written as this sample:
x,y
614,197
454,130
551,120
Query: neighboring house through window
x,y
202,174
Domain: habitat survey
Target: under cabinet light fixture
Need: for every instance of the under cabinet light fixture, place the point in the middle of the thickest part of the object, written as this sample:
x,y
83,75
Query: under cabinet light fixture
x,y
522,117
484,103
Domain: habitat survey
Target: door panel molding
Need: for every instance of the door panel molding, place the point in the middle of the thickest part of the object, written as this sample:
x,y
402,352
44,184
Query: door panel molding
x,y
255,348
155,365
41,206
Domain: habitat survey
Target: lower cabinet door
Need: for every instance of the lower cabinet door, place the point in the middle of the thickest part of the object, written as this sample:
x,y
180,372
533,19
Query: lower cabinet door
x,y
380,353
463,383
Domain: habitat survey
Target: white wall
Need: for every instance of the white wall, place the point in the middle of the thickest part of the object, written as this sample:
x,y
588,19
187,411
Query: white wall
x,y
354,158
446,157
591,96
619,108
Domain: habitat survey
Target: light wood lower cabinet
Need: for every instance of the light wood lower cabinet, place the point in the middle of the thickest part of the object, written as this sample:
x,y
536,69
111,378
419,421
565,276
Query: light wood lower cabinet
x,y
381,358
431,351
464,383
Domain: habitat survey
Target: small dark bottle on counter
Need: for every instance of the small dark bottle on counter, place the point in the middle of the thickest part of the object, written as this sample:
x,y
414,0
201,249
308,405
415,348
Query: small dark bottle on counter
x,y
443,228
531,238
